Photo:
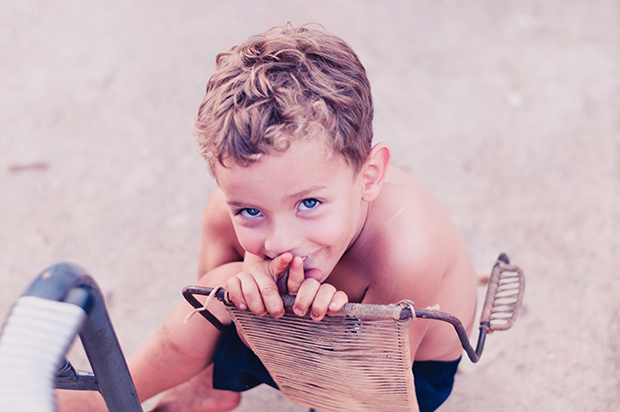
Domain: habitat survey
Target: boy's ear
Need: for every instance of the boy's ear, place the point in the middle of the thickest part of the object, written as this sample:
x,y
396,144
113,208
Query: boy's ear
x,y
374,170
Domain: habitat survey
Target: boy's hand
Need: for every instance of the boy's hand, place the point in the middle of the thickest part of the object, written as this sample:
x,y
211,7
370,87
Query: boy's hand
x,y
259,287
319,298
311,292
256,287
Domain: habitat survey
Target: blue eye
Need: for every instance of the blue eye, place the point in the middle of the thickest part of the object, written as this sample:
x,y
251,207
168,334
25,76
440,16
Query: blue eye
x,y
250,212
308,204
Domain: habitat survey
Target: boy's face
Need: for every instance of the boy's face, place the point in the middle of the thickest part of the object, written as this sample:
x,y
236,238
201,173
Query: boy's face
x,y
301,201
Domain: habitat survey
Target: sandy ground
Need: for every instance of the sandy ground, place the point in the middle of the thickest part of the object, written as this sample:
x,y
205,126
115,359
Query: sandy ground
x,y
507,110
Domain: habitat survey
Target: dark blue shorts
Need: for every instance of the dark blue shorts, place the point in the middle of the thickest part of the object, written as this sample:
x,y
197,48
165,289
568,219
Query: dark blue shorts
x,y
237,368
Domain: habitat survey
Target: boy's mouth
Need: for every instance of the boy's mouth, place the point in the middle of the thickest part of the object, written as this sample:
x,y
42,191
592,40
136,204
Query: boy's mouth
x,y
311,271
306,260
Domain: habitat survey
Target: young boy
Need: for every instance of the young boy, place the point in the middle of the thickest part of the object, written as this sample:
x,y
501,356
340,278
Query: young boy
x,y
306,206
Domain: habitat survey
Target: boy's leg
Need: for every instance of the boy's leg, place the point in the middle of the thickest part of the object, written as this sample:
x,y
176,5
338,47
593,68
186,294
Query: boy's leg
x,y
198,395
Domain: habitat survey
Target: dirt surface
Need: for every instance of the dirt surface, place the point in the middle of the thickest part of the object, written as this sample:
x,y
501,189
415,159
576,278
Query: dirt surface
x,y
507,110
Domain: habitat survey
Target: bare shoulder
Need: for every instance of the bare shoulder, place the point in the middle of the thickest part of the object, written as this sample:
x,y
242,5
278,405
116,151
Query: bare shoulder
x,y
421,248
413,250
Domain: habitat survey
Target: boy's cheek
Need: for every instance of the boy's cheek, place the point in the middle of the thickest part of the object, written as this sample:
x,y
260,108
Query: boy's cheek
x,y
248,238
249,243
333,233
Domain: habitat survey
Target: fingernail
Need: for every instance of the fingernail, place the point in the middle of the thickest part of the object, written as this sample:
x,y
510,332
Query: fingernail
x,y
298,312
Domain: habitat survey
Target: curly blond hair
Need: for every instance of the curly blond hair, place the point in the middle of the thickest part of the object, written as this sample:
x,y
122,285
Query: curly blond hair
x,y
288,83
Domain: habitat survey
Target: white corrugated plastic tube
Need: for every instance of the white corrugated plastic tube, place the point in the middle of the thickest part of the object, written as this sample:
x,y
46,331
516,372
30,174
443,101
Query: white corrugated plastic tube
x,y
34,340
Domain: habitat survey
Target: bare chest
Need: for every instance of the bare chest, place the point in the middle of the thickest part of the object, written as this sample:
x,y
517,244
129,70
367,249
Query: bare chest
x,y
354,275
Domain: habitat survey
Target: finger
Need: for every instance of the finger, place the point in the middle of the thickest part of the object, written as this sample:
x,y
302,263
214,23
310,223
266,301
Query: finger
x,y
270,295
338,301
295,275
279,264
321,301
252,294
233,286
305,296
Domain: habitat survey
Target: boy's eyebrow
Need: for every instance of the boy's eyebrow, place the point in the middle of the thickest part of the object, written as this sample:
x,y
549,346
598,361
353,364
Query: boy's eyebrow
x,y
232,203
306,192
303,193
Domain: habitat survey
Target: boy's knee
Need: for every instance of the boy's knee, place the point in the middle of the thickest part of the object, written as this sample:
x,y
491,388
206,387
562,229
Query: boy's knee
x,y
220,275
219,244
216,216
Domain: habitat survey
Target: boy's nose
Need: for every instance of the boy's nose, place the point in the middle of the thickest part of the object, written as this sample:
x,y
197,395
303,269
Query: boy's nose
x,y
281,238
